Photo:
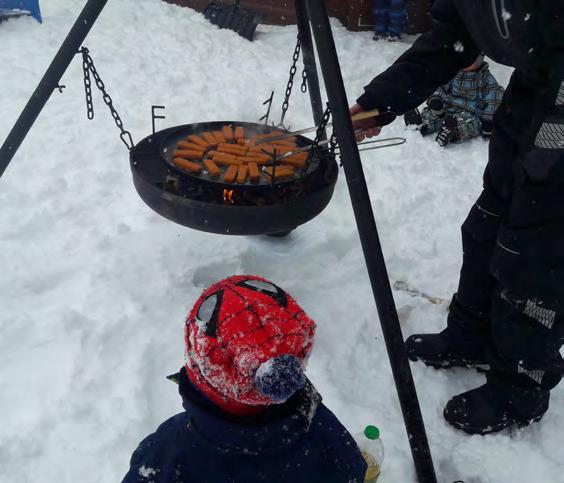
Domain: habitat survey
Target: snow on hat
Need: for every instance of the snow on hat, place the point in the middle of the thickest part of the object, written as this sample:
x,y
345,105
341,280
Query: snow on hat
x,y
247,344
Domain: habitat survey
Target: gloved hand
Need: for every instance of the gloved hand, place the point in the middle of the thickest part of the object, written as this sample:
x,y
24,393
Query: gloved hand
x,y
448,133
487,128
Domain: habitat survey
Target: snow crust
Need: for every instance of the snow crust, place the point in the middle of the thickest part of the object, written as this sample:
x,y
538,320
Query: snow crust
x,y
95,287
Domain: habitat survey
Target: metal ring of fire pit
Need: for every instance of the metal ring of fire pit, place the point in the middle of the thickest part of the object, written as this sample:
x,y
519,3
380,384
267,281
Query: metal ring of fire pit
x,y
217,207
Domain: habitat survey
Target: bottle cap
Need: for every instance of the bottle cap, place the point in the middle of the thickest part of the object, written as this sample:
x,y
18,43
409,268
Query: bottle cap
x,y
371,432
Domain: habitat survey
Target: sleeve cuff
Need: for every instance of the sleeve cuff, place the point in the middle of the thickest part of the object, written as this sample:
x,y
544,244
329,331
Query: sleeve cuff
x,y
366,102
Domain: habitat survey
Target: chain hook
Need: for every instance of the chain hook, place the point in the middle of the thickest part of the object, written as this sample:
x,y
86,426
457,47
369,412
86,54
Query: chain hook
x,y
89,69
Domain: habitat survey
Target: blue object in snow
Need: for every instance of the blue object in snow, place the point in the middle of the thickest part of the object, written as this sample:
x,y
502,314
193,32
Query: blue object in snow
x,y
10,8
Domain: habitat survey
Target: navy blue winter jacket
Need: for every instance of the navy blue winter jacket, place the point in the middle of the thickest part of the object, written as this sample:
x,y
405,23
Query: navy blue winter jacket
x,y
300,441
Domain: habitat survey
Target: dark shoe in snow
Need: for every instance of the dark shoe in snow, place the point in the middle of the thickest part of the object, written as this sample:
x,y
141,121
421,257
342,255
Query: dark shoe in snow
x,y
412,118
448,133
394,38
492,408
379,36
442,350
462,344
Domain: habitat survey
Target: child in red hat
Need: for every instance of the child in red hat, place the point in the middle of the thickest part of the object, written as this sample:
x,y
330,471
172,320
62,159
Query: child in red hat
x,y
251,415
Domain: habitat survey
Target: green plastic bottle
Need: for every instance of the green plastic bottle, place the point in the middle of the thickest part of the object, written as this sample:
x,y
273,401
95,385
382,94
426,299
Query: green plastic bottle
x,y
372,450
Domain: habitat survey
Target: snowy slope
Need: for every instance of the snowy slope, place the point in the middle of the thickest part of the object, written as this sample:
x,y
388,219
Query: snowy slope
x,y
94,286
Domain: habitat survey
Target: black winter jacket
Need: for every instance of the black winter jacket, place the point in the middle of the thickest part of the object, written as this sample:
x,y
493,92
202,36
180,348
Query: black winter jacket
x,y
300,441
524,181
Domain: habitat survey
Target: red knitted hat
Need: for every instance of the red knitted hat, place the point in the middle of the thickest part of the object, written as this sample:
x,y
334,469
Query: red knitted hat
x,y
247,344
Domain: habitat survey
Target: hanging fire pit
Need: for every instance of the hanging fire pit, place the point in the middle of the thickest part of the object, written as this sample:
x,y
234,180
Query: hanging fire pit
x,y
254,207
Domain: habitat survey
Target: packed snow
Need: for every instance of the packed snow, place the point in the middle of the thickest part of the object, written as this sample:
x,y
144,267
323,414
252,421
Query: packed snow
x,y
95,286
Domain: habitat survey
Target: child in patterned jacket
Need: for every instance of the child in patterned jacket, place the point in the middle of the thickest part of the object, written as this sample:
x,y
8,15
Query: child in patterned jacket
x,y
462,109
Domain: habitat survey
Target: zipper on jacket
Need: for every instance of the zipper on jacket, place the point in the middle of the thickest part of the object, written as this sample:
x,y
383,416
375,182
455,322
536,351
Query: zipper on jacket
x,y
503,31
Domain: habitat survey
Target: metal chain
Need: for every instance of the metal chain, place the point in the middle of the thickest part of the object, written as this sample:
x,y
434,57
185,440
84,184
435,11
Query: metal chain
x,y
333,143
293,70
88,67
87,86
318,137
304,81
321,129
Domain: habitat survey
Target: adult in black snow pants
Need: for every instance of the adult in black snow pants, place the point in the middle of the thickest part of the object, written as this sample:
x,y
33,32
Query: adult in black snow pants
x,y
508,311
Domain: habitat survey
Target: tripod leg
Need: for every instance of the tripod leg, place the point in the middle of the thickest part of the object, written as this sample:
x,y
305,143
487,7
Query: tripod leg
x,y
370,241
50,81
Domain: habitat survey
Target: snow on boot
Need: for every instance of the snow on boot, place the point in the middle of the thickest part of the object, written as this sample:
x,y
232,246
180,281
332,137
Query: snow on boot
x,y
444,350
493,407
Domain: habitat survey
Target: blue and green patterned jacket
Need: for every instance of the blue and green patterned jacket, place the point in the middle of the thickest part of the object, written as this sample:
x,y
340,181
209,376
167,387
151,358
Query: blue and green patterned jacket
x,y
476,92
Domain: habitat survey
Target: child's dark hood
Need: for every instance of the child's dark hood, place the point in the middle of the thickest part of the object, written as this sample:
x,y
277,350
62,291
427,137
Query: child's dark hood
x,y
276,428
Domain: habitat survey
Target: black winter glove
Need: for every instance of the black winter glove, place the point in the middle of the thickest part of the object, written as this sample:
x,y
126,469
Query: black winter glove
x,y
487,128
448,133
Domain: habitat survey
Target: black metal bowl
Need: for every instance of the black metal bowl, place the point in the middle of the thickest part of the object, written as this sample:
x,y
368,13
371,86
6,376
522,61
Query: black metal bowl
x,y
213,206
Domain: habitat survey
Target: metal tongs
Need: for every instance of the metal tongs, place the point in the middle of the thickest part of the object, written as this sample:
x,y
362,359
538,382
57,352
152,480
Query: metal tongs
x,y
382,119
390,142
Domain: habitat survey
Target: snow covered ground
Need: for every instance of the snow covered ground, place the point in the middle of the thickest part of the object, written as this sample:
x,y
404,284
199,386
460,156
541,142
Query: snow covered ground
x,y
94,287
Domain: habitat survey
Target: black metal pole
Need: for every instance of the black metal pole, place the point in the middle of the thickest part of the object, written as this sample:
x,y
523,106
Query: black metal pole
x,y
370,241
50,80
310,65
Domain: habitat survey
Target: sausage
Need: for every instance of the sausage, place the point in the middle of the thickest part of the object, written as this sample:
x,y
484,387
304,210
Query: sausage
x,y
228,133
255,159
223,158
257,154
210,138
232,149
270,134
242,174
284,142
198,140
280,172
190,146
189,154
231,174
262,149
213,169
239,132
297,160
219,137
283,149
187,165
254,172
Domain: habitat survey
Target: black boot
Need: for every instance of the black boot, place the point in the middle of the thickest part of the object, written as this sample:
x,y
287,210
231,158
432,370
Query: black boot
x,y
442,351
495,406
462,344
